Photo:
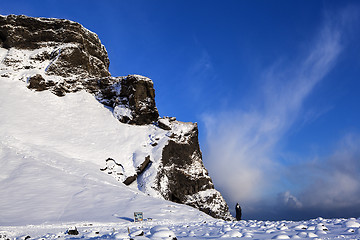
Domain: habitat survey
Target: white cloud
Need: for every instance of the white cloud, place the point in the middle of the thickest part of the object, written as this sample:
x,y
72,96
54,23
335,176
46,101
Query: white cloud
x,y
288,200
241,144
335,180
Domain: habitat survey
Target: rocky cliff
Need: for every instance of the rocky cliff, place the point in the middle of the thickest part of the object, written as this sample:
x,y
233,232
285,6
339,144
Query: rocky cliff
x,y
63,57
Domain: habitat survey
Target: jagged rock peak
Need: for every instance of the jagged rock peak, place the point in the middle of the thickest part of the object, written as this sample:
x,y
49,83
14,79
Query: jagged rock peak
x,y
75,51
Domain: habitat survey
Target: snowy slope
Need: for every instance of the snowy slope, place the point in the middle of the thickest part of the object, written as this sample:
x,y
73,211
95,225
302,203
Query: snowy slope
x,y
55,151
51,152
72,136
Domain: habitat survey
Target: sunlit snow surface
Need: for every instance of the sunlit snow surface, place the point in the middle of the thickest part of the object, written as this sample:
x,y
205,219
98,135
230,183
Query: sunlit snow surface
x,y
201,229
52,149
51,152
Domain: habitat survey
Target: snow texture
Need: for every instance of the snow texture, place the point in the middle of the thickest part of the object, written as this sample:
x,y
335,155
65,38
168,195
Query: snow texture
x,y
65,158
199,228
82,127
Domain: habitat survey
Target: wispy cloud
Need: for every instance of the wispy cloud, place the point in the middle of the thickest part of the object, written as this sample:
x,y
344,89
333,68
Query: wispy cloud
x,y
330,186
241,145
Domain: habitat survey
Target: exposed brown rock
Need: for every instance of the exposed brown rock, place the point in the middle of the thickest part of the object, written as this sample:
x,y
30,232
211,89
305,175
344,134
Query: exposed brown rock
x,y
186,176
130,180
84,56
143,165
38,83
133,92
137,92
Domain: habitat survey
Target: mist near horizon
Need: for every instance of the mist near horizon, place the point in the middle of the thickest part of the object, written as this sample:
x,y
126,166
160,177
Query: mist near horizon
x,y
244,149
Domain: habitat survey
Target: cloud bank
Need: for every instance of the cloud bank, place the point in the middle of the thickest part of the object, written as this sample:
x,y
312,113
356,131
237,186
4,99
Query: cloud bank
x,y
242,145
335,181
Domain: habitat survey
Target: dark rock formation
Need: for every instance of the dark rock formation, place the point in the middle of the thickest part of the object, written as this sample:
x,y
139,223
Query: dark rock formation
x,y
183,177
73,231
77,50
130,180
38,83
140,169
114,163
175,158
137,92
132,97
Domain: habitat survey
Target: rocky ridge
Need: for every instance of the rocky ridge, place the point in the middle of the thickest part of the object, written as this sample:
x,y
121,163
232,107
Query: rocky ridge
x,y
63,57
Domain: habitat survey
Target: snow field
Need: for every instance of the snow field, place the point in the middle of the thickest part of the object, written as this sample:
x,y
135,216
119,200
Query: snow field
x,y
203,229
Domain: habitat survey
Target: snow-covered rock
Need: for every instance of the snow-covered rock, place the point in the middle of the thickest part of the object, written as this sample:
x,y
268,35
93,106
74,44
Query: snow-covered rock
x,y
232,234
74,50
352,223
63,115
281,236
183,177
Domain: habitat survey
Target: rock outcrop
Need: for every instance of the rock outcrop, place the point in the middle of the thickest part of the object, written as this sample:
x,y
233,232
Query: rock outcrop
x,y
81,53
63,57
182,177
132,97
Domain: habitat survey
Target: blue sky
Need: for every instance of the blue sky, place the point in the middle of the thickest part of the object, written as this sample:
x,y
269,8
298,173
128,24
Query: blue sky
x,y
273,85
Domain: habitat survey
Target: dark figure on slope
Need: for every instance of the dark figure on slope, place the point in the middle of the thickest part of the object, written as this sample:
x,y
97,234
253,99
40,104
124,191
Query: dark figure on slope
x,y
238,212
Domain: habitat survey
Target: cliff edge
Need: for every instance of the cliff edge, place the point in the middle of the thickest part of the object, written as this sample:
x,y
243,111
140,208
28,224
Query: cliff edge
x,y
63,57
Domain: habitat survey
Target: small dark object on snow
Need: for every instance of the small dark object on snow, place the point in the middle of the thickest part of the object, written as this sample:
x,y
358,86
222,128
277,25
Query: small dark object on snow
x,y
73,231
238,212
27,237
3,236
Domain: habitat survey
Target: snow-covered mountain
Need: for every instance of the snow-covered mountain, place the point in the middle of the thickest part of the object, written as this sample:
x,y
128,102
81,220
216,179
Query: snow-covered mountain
x,y
77,144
